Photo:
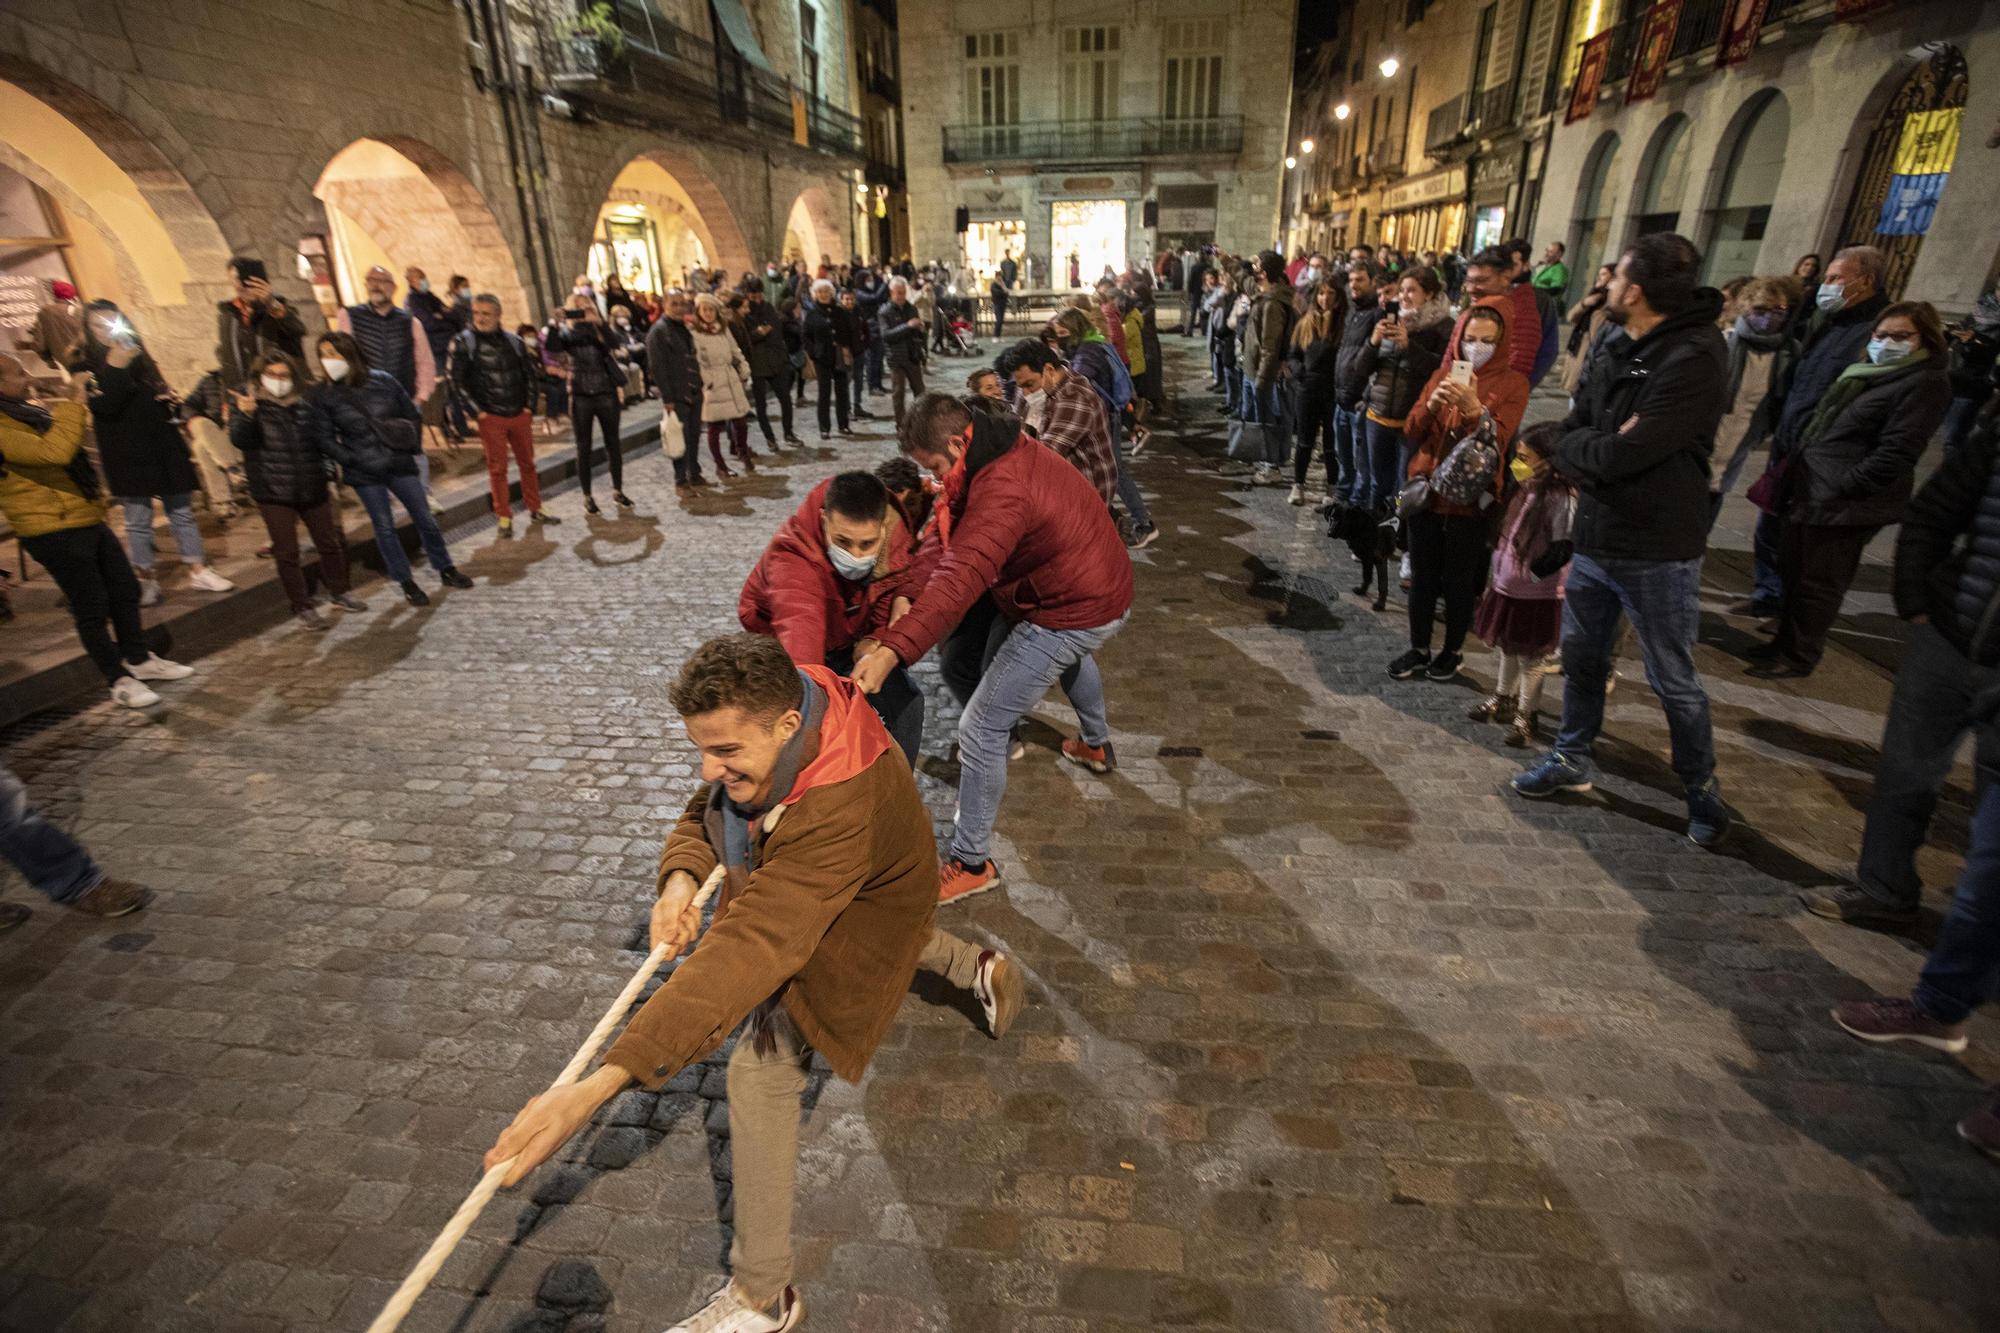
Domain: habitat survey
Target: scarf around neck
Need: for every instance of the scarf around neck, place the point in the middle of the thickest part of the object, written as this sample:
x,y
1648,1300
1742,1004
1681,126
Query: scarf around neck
x,y
32,415
1853,382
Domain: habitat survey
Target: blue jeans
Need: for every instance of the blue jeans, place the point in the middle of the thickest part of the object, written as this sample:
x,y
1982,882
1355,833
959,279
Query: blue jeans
x,y
1767,587
1128,489
47,857
139,528
382,518
1963,971
1929,714
1378,466
1958,420
1030,660
1662,599
1348,440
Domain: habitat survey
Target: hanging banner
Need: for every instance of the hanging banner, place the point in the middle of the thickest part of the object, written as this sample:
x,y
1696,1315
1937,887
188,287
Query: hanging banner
x,y
1740,29
1846,11
1924,154
1656,42
1589,74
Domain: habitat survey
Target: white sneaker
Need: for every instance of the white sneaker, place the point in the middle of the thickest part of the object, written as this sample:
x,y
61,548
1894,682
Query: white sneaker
x,y
132,693
726,1312
1298,495
208,580
149,592
436,508
156,667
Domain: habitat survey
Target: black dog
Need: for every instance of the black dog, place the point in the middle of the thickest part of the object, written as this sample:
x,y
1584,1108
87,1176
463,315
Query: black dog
x,y
1371,541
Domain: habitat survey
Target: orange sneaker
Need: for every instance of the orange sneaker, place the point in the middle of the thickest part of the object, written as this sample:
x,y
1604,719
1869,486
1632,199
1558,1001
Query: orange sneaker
x,y
1096,758
956,880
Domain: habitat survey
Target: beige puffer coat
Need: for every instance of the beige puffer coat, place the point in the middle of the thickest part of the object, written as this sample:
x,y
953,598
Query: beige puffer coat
x,y
725,374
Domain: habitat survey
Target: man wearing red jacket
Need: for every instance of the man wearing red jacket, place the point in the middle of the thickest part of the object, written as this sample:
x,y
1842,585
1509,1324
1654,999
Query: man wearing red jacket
x,y
837,575
1018,520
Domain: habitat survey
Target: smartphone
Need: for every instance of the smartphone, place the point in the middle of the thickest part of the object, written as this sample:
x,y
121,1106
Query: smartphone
x,y
248,269
1392,314
1461,371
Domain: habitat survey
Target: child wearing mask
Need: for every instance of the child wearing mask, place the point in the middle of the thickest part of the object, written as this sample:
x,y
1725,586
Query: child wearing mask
x,y
1521,614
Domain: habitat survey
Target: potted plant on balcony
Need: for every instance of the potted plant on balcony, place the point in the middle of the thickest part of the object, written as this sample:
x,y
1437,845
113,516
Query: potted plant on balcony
x,y
596,40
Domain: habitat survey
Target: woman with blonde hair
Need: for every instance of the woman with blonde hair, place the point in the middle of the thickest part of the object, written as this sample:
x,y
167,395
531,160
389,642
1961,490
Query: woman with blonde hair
x,y
725,384
1309,371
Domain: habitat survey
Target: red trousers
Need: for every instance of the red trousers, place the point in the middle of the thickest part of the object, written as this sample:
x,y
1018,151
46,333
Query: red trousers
x,y
497,435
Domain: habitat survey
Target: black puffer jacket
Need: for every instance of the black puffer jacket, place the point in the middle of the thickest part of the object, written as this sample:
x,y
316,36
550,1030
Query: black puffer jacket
x,y
285,467
1396,375
373,429
769,358
1948,551
1638,436
1310,369
1350,381
1858,470
1832,344
671,361
593,368
827,329
492,372
138,443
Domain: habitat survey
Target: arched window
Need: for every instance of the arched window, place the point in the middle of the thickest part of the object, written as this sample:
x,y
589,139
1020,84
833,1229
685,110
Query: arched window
x,y
1662,179
1735,224
1590,225
1907,160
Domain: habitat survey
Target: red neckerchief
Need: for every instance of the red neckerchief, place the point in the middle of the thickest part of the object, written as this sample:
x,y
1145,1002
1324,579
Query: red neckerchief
x,y
851,736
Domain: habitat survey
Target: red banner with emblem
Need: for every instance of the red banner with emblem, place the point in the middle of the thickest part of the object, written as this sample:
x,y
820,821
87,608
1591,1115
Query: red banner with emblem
x,y
1656,43
1589,76
1741,27
1846,11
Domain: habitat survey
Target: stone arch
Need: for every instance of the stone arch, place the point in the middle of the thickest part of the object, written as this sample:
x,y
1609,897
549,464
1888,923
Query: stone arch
x,y
1659,187
1596,202
681,200
1726,220
397,201
813,230
139,232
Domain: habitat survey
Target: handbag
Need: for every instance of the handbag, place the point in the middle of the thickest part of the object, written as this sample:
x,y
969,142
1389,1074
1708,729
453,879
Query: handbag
x,y
671,438
1415,497
1465,477
1768,491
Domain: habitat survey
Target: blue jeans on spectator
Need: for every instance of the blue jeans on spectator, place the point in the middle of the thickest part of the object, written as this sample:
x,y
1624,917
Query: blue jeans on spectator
x,y
1029,660
1378,466
1128,489
1662,598
1963,970
1929,714
1958,420
139,529
1232,389
875,368
410,490
47,857
1767,588
1347,441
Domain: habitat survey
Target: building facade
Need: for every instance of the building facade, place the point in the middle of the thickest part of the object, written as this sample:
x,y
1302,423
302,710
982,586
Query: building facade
x,y
1092,133
517,144
884,228
1763,130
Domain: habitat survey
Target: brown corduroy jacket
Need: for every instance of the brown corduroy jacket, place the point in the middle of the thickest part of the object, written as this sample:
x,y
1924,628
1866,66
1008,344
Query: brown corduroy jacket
x,y
831,923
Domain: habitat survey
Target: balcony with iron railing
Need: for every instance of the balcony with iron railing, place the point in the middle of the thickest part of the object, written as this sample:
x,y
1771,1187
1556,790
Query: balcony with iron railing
x,y
1385,159
657,70
880,83
1446,127
1700,28
1129,139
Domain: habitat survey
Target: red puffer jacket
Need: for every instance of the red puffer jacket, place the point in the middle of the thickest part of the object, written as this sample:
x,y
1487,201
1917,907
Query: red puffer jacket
x,y
795,595
1032,529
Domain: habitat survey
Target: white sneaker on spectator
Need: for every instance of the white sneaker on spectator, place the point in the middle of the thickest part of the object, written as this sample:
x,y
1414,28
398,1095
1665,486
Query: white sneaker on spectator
x,y
132,693
149,592
156,667
728,1312
208,580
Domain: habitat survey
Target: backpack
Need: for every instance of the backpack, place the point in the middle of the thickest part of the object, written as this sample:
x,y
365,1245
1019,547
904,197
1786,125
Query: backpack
x,y
1465,477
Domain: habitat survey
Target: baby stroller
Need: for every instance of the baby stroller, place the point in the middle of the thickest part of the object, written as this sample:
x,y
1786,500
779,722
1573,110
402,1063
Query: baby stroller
x,y
958,332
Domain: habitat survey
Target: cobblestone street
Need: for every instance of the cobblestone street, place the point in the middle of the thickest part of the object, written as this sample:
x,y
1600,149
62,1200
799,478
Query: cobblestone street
x,y
1326,1032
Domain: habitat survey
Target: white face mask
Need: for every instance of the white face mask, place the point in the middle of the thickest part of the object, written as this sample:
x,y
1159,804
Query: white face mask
x,y
1036,397
854,568
335,368
1477,353
1831,296
276,386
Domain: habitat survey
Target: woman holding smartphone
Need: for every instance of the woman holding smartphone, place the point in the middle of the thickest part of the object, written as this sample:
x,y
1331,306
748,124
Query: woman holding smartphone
x,y
1477,400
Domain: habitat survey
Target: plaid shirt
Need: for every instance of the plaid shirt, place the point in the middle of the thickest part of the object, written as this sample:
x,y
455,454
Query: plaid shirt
x,y
1074,425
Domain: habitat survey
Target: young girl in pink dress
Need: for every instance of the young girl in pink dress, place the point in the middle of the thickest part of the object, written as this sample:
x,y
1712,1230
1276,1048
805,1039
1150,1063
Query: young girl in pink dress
x,y
1521,612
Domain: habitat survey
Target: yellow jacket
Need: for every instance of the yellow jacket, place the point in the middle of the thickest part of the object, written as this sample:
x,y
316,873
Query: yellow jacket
x,y
37,494
1135,343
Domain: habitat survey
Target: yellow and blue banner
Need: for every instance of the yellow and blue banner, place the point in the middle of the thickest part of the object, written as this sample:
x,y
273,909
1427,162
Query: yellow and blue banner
x,y
1924,154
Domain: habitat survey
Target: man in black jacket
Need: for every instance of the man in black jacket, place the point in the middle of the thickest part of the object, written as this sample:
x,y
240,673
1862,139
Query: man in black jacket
x,y
1350,429
869,296
902,340
1949,591
495,375
1636,443
1849,301
770,365
255,323
671,361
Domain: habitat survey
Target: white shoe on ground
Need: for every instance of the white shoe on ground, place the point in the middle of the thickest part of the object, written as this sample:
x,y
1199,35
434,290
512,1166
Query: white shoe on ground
x,y
208,580
156,667
726,1312
132,693
1298,495
149,592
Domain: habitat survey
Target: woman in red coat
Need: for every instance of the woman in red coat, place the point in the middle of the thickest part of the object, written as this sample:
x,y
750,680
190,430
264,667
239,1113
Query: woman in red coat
x,y
1451,542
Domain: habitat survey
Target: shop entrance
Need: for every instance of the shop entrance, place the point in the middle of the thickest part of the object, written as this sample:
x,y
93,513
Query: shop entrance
x,y
1091,229
628,247
987,243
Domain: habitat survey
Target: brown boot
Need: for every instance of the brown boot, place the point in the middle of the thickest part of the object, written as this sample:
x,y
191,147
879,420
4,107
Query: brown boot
x,y
1524,731
1493,708
114,897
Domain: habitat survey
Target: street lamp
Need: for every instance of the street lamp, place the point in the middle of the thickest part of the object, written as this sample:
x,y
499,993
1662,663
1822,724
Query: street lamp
x,y
1291,164
1305,145
1389,66
1343,111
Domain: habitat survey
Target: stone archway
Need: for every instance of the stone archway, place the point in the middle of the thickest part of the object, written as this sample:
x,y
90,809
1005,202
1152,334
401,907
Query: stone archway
x,y
397,201
813,230
135,230
661,210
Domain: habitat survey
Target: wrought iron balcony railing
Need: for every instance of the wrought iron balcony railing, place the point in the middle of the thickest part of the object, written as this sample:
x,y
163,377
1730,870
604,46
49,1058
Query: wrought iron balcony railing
x,y
1094,140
